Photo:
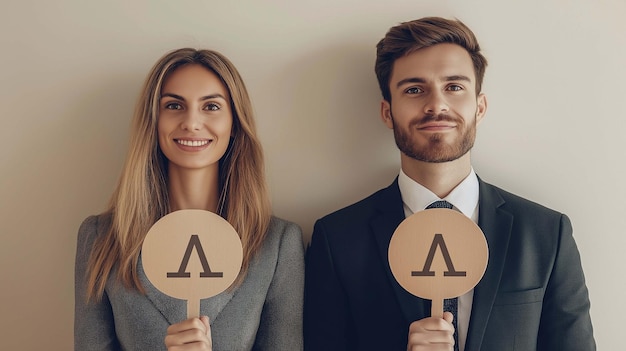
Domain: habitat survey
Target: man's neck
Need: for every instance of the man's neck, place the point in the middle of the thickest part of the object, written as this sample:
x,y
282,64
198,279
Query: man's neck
x,y
440,178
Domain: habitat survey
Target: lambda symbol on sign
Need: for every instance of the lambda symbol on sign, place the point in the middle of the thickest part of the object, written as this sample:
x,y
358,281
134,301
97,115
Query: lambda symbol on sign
x,y
194,241
426,272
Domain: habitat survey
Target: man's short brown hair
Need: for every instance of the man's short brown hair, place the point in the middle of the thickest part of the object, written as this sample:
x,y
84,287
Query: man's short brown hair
x,y
409,37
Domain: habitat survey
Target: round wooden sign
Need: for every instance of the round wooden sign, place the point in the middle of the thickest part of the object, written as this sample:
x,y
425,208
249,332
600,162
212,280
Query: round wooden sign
x,y
192,255
438,254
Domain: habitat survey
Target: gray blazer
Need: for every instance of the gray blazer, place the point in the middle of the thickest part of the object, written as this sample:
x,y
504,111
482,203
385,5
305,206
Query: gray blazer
x,y
263,313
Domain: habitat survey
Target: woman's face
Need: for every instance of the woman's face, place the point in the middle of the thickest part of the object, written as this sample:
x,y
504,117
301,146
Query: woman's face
x,y
195,120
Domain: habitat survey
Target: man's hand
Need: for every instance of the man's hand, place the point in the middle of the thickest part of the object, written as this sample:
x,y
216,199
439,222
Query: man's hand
x,y
432,334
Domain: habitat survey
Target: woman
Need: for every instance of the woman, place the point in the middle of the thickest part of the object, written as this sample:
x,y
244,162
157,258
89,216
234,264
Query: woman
x,y
193,145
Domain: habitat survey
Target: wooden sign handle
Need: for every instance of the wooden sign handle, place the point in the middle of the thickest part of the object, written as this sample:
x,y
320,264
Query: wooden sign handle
x,y
436,309
193,308
193,304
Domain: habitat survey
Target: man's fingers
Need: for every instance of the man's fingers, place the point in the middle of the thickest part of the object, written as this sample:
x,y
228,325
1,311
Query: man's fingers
x,y
432,324
448,317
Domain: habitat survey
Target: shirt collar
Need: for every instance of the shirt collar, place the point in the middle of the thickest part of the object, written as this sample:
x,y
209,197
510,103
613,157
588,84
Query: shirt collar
x,y
463,197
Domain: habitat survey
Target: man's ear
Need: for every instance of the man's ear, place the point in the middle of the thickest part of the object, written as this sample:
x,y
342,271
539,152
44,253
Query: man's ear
x,y
481,107
385,113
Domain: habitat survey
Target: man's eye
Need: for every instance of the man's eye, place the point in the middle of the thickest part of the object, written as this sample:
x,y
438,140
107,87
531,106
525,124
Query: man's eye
x,y
413,90
212,107
173,106
455,87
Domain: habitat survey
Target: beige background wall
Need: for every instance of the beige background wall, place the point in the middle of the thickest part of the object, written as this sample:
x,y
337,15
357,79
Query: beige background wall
x,y
70,72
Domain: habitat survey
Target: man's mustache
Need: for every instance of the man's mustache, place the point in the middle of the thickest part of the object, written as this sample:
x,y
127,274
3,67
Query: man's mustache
x,y
440,117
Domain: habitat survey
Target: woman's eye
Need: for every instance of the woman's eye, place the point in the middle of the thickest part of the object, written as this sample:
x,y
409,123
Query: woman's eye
x,y
212,107
413,90
173,106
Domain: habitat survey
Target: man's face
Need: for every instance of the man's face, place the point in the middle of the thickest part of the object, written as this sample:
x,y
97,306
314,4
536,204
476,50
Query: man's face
x,y
434,108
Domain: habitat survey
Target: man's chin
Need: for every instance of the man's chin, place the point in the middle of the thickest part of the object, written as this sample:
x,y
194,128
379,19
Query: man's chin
x,y
433,155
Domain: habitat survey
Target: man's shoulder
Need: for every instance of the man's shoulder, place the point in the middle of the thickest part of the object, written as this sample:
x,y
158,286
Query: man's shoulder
x,y
365,208
513,202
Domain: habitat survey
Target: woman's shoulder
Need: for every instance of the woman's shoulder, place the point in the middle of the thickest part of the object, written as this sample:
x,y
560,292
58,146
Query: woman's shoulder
x,y
278,224
93,227
283,234
282,228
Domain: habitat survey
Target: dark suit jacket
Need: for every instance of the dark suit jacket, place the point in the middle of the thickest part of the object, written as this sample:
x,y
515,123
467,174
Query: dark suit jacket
x,y
532,296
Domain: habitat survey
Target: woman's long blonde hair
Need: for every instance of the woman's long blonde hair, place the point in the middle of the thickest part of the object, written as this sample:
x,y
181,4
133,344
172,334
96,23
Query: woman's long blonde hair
x,y
141,196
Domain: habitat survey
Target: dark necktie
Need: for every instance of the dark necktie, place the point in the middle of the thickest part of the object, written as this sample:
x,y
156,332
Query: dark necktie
x,y
450,305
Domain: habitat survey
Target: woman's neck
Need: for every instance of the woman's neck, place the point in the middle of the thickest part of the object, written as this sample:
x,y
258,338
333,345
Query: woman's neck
x,y
193,188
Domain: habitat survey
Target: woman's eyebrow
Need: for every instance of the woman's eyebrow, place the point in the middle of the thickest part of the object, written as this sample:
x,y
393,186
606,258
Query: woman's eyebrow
x,y
207,97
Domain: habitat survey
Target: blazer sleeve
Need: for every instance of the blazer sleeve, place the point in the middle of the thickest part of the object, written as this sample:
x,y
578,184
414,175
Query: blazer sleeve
x,y
280,327
325,323
94,328
565,322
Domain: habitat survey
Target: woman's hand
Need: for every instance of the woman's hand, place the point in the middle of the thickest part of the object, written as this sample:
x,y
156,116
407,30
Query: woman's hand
x,y
191,334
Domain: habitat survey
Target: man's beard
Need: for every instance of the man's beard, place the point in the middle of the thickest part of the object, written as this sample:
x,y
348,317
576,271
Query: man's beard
x,y
436,150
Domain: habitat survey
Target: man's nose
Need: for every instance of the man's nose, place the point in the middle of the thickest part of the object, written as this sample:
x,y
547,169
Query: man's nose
x,y
436,104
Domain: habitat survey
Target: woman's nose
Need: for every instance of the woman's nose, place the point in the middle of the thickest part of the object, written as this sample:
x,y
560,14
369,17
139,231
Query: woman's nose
x,y
191,121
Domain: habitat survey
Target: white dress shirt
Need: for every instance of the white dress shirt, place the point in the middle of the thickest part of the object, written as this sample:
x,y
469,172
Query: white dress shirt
x,y
464,198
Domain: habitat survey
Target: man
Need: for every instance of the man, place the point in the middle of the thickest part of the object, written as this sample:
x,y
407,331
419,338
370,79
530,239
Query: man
x,y
533,294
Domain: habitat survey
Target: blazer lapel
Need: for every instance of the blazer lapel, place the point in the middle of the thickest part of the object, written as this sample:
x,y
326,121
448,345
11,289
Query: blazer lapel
x,y
496,224
391,214
175,310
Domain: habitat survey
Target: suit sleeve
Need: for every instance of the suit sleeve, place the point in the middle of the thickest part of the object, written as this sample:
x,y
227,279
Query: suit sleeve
x,y
325,302
94,327
280,328
565,321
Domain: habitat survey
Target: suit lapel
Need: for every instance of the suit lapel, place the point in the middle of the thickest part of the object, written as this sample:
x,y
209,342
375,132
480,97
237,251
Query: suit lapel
x,y
496,224
391,214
